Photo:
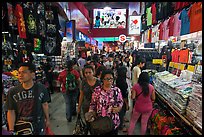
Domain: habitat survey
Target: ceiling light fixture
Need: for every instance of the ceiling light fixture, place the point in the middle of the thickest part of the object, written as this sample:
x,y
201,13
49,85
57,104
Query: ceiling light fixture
x,y
107,8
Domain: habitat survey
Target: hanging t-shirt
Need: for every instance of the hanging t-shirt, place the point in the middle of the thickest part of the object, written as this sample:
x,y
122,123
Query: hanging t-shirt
x,y
177,25
146,36
153,10
161,31
175,55
155,34
195,16
180,5
183,56
11,17
20,21
185,22
41,24
159,12
30,17
170,25
165,30
149,16
149,35
144,22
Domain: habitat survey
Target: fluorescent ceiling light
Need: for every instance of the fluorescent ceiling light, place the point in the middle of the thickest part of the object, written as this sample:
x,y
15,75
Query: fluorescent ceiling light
x,y
107,8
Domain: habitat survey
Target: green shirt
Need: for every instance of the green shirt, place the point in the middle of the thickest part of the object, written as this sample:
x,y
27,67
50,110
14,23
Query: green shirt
x,y
149,16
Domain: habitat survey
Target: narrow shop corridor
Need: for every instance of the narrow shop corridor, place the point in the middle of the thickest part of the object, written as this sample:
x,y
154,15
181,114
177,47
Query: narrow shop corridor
x,y
61,126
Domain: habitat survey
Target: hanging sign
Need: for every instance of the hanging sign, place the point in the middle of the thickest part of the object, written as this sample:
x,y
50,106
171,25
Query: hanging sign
x,y
134,25
122,38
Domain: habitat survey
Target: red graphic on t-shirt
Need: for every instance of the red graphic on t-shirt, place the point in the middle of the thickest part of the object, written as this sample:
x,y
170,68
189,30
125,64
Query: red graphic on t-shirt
x,y
135,22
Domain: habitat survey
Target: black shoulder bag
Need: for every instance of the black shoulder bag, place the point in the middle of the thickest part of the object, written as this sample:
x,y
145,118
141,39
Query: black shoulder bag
x,y
23,127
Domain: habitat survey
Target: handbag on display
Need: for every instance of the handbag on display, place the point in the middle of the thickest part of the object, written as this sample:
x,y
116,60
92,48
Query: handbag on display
x,y
80,127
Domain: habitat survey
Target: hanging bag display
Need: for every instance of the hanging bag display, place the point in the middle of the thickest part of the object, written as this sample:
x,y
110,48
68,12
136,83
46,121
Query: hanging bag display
x,y
80,127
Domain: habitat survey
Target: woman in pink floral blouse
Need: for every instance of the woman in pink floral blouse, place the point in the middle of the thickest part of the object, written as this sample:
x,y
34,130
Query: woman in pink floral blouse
x,y
103,102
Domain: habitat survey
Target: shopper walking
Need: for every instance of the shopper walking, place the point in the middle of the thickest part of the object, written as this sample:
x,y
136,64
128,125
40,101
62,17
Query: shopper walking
x,y
121,83
103,102
28,101
70,96
143,105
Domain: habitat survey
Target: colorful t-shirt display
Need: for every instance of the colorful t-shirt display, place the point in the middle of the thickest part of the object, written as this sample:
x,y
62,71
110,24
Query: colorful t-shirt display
x,y
149,16
184,55
20,21
177,25
153,10
195,16
185,22
175,55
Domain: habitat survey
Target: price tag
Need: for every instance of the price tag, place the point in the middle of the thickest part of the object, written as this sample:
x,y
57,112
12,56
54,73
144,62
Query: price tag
x,y
176,65
157,61
191,68
171,64
182,66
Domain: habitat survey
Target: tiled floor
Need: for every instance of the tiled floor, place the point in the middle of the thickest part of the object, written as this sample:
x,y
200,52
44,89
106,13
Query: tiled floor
x,y
59,124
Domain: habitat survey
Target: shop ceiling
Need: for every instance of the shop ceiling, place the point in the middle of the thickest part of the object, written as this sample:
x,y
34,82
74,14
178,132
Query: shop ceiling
x,y
99,5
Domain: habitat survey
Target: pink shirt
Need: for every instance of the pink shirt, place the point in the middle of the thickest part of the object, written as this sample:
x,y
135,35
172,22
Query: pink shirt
x,y
143,103
165,30
177,25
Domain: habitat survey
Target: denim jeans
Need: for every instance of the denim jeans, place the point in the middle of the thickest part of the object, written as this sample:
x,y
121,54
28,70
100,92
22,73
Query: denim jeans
x,y
70,100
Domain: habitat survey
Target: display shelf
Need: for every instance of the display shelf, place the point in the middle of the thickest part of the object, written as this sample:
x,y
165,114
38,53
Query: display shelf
x,y
184,118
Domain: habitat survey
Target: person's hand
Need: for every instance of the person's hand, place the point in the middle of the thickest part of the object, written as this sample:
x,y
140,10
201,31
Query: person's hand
x,y
47,123
78,110
116,109
127,107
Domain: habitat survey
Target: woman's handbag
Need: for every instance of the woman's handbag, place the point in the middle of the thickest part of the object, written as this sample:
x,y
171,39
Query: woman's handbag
x,y
80,127
101,125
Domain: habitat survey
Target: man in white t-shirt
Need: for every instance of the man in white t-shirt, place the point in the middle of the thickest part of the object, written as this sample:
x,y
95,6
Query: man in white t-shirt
x,y
137,70
109,64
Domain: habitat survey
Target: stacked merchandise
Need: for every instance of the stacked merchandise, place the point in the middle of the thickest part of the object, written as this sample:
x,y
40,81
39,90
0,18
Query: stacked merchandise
x,y
174,89
194,108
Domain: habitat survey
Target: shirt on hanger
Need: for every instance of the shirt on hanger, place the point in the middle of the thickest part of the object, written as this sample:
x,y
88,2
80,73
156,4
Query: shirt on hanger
x,y
175,55
165,30
161,31
195,16
155,34
153,10
170,25
149,16
177,25
185,22
184,55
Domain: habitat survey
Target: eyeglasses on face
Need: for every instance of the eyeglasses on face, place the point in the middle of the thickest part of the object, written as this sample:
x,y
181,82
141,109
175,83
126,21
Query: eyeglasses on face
x,y
108,79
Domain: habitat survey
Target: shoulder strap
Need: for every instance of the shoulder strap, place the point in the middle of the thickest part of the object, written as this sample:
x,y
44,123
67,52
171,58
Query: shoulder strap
x,y
138,95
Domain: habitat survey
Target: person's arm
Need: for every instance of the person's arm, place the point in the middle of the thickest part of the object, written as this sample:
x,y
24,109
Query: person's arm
x,y
11,118
46,112
81,96
133,93
153,96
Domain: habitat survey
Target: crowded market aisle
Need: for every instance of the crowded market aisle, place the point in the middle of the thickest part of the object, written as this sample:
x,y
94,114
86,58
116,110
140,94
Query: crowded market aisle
x,y
61,126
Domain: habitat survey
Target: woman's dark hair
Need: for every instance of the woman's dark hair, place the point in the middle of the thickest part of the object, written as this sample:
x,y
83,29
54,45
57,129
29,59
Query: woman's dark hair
x,y
121,71
100,69
88,67
143,81
30,66
105,72
70,64
128,63
117,64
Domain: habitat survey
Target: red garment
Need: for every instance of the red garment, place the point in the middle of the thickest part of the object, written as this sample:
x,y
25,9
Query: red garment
x,y
181,5
153,10
183,56
195,16
20,21
161,31
143,103
170,25
62,78
175,56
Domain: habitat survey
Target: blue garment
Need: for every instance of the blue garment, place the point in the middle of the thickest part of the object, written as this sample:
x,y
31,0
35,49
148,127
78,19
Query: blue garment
x,y
97,23
185,22
70,100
